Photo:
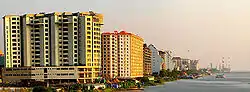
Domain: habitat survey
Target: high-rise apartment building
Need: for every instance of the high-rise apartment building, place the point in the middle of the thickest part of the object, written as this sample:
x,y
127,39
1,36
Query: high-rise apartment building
x,y
110,54
55,39
147,61
12,40
122,55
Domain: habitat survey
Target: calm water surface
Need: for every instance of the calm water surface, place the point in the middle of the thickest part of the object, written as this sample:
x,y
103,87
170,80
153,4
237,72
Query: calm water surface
x,y
234,82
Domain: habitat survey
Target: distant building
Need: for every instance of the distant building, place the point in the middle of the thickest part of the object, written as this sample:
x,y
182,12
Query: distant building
x,y
122,55
170,62
185,64
163,59
177,62
157,61
194,65
147,60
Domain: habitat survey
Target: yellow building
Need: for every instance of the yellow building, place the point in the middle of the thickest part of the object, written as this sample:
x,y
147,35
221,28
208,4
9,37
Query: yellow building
x,y
54,39
128,62
136,53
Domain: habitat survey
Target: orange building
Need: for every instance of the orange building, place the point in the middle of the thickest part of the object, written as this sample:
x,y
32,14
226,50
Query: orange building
x,y
122,55
1,59
1,53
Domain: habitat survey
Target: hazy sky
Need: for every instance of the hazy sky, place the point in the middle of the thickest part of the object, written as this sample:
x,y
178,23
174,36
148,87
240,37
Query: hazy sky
x,y
210,29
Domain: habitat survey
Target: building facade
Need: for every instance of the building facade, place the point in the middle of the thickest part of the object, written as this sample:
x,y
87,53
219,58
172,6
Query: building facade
x,y
54,39
163,56
147,60
185,64
194,65
170,63
157,63
53,75
122,55
110,55
177,62
12,40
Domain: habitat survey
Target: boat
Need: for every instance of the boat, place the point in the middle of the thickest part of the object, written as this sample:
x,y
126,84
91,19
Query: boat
x,y
220,76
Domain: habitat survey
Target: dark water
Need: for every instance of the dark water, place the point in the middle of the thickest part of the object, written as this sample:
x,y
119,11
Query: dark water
x,y
234,82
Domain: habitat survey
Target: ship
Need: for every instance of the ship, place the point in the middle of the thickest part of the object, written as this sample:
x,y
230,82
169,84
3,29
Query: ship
x,y
225,67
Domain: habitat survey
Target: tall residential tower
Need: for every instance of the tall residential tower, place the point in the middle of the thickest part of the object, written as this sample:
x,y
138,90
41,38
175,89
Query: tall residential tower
x,y
54,39
122,55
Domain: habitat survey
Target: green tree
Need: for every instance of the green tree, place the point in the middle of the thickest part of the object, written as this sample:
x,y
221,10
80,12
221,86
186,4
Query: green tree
x,y
163,73
39,89
84,88
75,87
144,79
50,89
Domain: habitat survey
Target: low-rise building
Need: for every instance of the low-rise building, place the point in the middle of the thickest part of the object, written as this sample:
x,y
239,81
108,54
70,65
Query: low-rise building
x,y
177,62
185,63
52,75
194,65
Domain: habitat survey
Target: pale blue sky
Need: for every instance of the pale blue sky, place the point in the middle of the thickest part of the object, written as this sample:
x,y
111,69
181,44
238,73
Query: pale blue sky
x,y
211,29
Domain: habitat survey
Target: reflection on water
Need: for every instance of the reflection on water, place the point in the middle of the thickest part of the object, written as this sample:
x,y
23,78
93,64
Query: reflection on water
x,y
234,82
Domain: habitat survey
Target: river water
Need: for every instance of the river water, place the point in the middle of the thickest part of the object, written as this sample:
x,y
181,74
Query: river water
x,y
234,82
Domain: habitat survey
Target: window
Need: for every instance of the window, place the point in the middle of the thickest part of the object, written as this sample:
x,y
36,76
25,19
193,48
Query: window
x,y
88,32
46,21
13,27
88,28
75,28
13,35
14,44
13,40
46,34
88,23
75,19
88,19
13,18
13,31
